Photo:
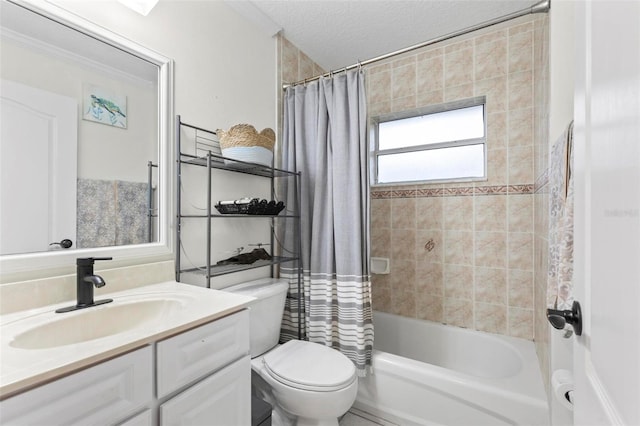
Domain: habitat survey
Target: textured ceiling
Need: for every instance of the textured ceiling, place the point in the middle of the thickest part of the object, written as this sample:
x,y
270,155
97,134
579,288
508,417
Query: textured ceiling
x,y
338,33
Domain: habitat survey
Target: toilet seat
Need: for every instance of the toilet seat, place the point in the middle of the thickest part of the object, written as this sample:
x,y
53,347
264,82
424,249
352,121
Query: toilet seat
x,y
309,366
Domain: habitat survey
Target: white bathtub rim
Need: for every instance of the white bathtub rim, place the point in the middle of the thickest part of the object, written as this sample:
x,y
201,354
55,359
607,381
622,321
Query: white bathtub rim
x,y
511,347
402,382
528,380
444,375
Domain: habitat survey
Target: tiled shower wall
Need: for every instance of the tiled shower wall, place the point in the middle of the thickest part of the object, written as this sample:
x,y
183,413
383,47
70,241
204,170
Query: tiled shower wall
x,y
541,195
480,272
463,253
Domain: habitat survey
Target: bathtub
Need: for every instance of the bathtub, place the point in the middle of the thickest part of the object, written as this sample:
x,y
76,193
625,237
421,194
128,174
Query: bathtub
x,y
425,373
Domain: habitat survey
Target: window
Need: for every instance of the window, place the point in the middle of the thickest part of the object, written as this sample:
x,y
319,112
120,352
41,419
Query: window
x,y
444,142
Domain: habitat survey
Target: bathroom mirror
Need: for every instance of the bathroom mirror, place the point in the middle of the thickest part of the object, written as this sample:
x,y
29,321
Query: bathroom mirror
x,y
85,141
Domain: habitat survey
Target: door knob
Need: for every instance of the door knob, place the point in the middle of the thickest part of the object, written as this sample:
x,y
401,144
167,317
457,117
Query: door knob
x,y
65,244
559,319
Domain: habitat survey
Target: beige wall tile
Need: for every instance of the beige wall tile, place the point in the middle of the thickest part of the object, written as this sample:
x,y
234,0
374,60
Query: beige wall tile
x,y
521,127
379,87
403,294
521,51
458,247
430,278
520,213
403,213
521,250
429,211
491,318
458,45
458,281
430,74
456,93
491,285
495,89
520,288
491,213
430,307
521,323
491,37
403,104
520,90
429,246
458,312
497,167
496,130
430,98
458,213
403,81
458,67
520,164
305,67
429,53
289,61
381,242
403,243
517,29
379,108
491,59
491,249
381,293
380,213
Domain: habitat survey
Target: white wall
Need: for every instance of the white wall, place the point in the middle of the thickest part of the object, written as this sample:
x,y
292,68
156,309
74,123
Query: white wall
x,y
561,81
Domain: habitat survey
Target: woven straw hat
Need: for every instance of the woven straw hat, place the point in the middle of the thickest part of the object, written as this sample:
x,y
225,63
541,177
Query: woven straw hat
x,y
246,135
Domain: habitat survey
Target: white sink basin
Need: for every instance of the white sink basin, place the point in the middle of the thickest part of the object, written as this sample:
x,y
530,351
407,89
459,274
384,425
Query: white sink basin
x,y
96,322
40,345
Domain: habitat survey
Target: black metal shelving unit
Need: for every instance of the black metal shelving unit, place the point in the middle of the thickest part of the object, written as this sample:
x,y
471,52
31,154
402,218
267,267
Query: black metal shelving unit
x,y
212,161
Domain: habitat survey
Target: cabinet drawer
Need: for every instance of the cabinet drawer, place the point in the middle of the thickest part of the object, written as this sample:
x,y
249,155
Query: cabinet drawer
x,y
104,394
221,399
189,356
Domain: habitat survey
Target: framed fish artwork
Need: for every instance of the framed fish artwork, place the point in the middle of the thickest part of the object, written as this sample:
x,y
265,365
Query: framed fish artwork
x,y
104,106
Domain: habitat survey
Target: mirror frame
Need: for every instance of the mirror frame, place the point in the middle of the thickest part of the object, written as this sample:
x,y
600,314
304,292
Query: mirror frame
x,y
20,267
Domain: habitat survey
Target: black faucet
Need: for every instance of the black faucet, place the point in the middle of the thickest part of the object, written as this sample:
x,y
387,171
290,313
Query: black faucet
x,y
85,280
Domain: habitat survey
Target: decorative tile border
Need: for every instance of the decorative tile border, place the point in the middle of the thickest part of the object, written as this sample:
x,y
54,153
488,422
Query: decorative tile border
x,y
524,189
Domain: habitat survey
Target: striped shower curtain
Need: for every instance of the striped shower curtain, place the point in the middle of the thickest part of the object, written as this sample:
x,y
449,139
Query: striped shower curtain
x,y
324,137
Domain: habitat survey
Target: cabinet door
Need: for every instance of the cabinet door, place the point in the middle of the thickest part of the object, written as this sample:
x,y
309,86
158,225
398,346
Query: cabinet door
x,y
189,356
222,399
143,419
104,394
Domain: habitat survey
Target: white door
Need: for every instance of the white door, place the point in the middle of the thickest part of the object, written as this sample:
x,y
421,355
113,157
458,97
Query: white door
x,y
607,212
38,151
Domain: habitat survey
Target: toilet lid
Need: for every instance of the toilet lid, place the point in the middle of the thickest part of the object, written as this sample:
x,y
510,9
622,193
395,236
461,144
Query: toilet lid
x,y
310,366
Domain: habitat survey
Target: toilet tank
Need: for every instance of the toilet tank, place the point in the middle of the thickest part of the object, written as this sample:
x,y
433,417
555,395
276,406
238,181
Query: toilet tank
x,y
265,313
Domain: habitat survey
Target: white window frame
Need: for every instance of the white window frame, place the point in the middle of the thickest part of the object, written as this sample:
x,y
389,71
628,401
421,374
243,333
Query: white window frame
x,y
431,109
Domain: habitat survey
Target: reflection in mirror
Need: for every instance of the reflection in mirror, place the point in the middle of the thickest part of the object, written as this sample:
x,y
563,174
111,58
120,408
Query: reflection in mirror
x,y
85,144
80,140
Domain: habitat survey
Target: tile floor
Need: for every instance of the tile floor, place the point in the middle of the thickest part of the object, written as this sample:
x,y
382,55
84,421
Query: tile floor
x,y
356,417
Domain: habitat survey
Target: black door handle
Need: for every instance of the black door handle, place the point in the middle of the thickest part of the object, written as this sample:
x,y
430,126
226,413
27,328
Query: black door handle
x,y
559,319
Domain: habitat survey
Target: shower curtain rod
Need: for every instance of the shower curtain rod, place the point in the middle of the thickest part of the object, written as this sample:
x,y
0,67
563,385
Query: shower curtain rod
x,y
541,7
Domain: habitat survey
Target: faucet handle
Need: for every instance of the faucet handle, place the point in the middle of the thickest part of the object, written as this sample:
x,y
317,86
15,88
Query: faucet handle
x,y
84,261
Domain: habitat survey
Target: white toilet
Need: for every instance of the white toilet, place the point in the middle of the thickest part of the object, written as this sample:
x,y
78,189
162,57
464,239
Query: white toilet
x,y
312,383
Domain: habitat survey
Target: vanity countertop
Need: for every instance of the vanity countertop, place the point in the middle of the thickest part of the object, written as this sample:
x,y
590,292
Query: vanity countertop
x,y
141,316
